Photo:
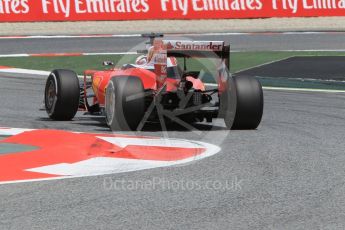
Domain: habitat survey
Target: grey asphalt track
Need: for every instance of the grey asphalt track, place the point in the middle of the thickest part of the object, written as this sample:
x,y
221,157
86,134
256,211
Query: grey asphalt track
x,y
254,42
288,174
315,67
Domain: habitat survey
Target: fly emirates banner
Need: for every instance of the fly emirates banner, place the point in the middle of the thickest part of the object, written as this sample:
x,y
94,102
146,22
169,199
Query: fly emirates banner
x,y
76,10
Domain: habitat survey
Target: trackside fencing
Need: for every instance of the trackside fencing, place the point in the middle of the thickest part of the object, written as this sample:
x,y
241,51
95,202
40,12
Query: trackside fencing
x,y
93,10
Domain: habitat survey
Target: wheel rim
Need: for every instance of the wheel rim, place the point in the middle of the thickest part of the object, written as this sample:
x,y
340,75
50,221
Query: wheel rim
x,y
51,95
110,103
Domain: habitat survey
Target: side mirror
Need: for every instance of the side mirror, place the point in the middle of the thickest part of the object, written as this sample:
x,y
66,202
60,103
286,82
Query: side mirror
x,y
108,63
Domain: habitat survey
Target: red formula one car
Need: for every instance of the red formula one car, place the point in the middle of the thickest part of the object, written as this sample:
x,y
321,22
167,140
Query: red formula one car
x,y
158,88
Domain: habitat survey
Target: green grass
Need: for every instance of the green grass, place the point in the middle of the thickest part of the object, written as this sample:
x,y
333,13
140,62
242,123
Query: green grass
x,y
238,61
78,64
297,83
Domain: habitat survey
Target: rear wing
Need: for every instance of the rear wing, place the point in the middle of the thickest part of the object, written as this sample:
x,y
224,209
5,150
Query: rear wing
x,y
198,49
185,48
163,49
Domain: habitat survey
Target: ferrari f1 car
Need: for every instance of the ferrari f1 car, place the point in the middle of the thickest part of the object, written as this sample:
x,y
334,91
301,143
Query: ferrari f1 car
x,y
159,87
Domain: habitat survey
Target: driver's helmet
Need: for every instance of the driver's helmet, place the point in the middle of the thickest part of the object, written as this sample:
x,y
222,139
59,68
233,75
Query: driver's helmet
x,y
147,60
141,60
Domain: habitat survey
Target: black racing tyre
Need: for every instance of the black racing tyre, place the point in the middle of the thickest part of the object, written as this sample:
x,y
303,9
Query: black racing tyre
x,y
62,93
250,103
124,103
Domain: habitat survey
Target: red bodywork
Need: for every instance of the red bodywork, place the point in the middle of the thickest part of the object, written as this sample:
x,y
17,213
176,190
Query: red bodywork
x,y
100,80
163,51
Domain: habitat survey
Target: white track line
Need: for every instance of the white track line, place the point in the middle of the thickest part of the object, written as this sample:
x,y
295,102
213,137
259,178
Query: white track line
x,y
304,90
66,54
314,50
25,71
177,34
292,89
72,36
14,55
114,53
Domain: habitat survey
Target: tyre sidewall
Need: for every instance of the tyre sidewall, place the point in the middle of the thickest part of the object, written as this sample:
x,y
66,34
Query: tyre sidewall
x,y
250,102
128,95
66,103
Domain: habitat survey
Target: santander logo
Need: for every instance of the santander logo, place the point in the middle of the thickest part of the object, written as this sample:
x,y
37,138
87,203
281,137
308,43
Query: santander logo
x,y
197,45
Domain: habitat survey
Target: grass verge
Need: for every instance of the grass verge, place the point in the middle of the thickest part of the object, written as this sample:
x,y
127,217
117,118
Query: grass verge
x,y
239,61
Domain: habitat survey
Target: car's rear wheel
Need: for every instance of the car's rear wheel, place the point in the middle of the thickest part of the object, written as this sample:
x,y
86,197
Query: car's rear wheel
x,y
250,103
62,93
124,103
